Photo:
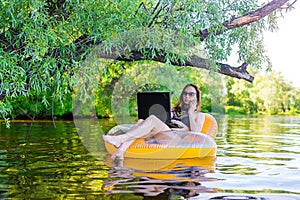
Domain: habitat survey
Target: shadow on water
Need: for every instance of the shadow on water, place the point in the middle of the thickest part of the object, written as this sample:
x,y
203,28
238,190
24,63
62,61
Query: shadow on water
x,y
160,179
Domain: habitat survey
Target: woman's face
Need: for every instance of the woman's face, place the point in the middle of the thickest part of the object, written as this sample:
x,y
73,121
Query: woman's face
x,y
189,95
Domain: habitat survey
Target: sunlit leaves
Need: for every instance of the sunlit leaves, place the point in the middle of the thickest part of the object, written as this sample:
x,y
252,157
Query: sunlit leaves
x,y
5,110
148,41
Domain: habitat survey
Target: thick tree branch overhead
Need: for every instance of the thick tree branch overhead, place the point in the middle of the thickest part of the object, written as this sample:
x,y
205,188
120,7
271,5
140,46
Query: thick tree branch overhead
x,y
192,61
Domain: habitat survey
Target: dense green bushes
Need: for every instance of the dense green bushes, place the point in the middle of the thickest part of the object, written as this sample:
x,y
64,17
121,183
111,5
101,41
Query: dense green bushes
x,y
240,97
268,94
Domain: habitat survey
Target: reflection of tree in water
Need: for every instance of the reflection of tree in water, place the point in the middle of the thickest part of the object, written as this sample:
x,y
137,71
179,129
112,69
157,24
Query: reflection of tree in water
x,y
179,181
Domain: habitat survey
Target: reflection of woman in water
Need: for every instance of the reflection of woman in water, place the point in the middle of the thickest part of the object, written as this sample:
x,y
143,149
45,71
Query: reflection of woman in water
x,y
185,183
171,190
186,114
178,179
158,189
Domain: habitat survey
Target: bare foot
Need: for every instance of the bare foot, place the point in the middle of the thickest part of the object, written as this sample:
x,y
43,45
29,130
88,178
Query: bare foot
x,y
114,140
118,155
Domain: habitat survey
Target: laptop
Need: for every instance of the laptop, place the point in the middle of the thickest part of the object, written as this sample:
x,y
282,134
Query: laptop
x,y
155,103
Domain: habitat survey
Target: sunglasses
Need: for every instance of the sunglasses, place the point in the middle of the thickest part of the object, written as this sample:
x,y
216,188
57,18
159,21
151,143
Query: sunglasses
x,y
190,94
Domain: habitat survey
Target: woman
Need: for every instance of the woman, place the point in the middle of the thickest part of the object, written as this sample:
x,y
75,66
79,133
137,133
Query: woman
x,y
186,114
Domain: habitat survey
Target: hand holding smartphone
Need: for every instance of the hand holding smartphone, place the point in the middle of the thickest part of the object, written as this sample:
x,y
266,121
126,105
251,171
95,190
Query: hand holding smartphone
x,y
193,105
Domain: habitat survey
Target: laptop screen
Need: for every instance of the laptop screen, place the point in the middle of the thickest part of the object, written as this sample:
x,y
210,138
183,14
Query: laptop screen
x,y
154,103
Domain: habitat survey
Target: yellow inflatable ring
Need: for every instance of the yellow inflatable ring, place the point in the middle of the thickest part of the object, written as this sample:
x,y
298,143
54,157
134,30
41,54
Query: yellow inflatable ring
x,y
205,145
140,149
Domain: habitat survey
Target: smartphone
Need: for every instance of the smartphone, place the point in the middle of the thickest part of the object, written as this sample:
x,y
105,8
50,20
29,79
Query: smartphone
x,y
173,125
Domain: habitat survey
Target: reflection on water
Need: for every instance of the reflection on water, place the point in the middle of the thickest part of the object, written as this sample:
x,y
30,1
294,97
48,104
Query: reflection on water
x,y
257,156
47,163
168,178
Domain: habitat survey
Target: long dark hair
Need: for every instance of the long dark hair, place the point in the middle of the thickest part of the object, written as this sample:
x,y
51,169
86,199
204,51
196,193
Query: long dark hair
x,y
178,105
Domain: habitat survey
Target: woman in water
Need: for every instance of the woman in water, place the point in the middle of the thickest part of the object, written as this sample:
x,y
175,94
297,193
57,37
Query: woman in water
x,y
186,114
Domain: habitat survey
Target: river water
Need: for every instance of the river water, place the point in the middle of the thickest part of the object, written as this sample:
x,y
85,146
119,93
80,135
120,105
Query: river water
x,y
258,157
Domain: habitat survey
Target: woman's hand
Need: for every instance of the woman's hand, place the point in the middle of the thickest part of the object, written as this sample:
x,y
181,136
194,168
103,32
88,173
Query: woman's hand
x,y
193,106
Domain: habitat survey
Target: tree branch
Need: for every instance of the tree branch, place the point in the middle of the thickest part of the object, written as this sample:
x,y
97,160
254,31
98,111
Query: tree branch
x,y
256,15
8,46
141,5
247,18
157,13
193,61
290,5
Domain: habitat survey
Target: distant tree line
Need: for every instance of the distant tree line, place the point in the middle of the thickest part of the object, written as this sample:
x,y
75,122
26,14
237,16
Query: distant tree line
x,y
268,94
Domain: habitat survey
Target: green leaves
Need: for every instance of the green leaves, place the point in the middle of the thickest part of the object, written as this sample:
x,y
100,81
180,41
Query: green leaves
x,y
269,93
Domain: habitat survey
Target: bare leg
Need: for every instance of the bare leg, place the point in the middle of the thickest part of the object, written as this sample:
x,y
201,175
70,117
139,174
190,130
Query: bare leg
x,y
119,154
117,140
139,122
146,128
151,124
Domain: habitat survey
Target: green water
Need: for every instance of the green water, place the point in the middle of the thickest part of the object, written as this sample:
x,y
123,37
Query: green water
x,y
257,156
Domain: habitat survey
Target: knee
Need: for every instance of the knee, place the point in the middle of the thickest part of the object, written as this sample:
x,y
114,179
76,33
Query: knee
x,y
154,121
152,118
140,121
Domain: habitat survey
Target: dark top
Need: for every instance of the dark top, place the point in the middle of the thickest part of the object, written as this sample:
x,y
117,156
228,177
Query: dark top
x,y
182,116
